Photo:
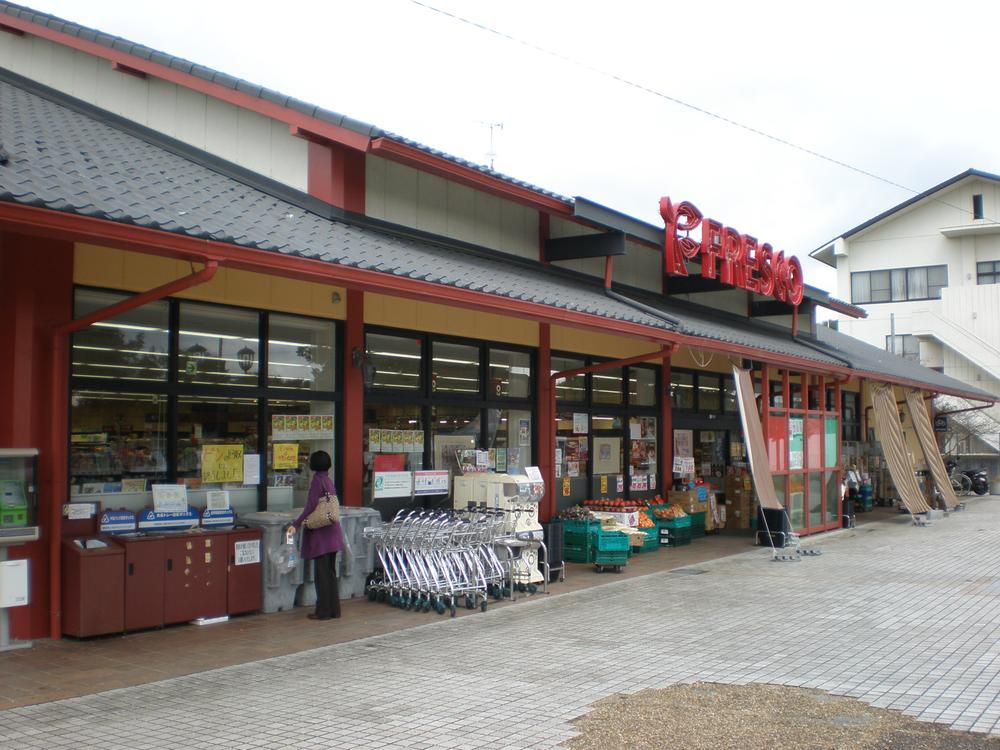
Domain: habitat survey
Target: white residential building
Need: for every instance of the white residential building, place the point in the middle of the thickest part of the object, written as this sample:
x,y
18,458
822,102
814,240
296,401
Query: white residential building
x,y
927,271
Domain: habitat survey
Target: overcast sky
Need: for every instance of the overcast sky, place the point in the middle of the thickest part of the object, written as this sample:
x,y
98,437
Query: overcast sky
x,y
900,89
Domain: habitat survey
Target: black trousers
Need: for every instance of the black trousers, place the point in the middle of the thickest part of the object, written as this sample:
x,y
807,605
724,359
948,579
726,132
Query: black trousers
x,y
327,590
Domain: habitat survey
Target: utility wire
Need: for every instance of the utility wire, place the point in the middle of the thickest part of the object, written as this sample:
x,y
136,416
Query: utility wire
x,y
680,102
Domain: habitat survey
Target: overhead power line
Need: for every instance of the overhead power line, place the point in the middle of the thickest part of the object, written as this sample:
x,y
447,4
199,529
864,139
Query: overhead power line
x,y
679,102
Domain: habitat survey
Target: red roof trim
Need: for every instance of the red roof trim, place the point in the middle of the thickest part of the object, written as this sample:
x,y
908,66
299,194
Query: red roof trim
x,y
73,227
246,101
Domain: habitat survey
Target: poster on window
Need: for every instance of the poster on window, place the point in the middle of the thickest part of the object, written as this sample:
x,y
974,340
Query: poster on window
x,y
301,426
524,432
684,443
607,455
795,442
375,441
579,423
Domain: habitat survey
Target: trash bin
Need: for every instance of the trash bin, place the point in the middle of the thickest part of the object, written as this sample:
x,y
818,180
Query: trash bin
x,y
93,590
278,586
354,564
553,537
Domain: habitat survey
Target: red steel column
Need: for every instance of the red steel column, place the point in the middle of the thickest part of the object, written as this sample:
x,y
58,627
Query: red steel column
x,y
354,398
666,430
337,175
545,430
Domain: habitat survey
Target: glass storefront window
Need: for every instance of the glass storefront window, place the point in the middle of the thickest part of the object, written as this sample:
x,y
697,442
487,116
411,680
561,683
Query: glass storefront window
x,y
779,488
571,389
118,447
797,500
510,374
454,431
306,425
393,439
218,345
816,499
831,479
572,458
396,362
777,393
641,386
682,390
130,346
455,369
729,403
709,393
606,386
208,420
508,433
301,353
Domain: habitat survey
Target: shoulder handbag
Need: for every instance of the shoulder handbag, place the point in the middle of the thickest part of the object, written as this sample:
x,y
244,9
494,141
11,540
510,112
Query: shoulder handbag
x,y
327,512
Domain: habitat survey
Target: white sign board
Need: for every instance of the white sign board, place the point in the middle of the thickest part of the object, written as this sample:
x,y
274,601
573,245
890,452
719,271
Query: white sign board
x,y
533,473
13,583
247,552
683,465
392,484
217,499
77,511
579,423
430,482
170,498
251,468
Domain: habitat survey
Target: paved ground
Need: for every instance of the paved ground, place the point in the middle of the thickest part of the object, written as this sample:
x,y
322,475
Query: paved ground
x,y
898,616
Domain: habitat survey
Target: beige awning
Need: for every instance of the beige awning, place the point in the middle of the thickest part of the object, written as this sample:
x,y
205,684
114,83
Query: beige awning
x,y
890,435
925,433
760,468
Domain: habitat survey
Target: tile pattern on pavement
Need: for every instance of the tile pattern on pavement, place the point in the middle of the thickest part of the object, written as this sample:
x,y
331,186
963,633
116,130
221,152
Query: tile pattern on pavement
x,y
894,615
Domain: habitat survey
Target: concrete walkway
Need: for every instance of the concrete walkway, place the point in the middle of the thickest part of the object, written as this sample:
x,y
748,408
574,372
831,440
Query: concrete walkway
x,y
892,614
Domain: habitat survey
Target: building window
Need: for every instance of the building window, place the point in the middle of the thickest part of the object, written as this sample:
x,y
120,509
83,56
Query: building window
x,y
899,284
682,390
987,272
905,345
977,206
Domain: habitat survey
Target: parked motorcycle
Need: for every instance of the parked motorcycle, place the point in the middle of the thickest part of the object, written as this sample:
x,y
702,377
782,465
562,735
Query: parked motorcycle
x,y
969,480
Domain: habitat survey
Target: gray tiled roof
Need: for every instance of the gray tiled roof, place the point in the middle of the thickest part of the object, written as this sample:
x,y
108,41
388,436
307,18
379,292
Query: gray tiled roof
x,y
247,87
870,358
70,157
65,160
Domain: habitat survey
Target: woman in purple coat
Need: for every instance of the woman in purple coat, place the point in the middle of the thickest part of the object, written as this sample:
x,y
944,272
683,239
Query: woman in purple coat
x,y
322,545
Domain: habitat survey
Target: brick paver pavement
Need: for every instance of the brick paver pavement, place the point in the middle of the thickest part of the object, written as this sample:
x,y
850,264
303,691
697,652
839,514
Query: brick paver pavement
x,y
894,615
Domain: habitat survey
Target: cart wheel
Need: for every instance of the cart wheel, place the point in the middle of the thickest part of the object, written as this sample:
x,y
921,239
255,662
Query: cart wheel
x,y
372,595
505,592
600,568
619,568
521,587
483,605
532,588
427,605
454,609
469,602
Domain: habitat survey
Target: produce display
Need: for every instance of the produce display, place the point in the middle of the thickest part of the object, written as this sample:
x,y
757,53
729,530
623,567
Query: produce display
x,y
576,513
618,505
671,511
645,522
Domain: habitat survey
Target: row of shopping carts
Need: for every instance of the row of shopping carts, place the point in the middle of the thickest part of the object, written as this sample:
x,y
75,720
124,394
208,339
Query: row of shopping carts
x,y
439,558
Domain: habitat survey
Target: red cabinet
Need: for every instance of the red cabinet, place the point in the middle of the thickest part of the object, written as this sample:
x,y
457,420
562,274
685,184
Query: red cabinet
x,y
195,582
143,581
245,570
93,596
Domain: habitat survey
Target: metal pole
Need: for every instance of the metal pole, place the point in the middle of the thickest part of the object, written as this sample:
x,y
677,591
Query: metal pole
x,y
892,332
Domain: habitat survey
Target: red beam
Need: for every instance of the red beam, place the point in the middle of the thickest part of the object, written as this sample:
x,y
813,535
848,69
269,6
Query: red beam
x,y
138,300
11,29
127,70
545,429
352,448
67,226
449,170
609,270
246,101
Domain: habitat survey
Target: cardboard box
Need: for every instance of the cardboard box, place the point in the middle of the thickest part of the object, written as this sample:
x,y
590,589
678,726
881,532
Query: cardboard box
x,y
687,499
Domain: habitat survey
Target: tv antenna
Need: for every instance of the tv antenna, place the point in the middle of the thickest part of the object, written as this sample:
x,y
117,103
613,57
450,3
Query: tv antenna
x,y
492,152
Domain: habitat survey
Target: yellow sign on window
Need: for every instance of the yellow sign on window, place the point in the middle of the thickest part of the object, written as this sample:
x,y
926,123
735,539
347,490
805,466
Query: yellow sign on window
x,y
222,463
286,455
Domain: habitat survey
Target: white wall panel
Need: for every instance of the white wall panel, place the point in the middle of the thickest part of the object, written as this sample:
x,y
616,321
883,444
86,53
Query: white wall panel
x,y
244,137
403,195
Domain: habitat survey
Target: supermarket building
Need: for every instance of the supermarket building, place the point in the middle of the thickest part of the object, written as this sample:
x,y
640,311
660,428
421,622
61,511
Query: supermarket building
x,y
187,259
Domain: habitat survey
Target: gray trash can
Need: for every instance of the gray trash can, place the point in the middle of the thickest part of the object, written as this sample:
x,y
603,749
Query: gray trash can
x,y
278,587
356,562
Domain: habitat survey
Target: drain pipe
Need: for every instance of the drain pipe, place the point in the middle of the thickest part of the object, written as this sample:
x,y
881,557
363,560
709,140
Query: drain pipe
x,y
648,309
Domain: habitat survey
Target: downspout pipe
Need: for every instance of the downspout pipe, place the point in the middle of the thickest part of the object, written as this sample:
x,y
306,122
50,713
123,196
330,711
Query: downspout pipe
x,y
60,429
648,309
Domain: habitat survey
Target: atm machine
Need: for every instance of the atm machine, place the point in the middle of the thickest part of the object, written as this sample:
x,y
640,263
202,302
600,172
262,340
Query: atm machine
x,y
18,524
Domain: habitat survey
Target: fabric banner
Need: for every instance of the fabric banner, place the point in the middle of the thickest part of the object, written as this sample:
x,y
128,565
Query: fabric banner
x,y
890,435
925,433
763,480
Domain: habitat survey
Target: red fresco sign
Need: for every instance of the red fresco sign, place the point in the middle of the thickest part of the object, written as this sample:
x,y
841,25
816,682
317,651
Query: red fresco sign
x,y
735,259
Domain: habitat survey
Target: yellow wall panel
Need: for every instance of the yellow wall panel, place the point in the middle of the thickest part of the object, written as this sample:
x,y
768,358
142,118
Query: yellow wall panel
x,y
98,266
395,312
684,358
137,272
599,344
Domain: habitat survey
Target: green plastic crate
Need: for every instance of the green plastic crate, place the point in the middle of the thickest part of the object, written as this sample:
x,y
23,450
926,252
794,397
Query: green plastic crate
x,y
583,554
580,526
675,537
651,543
611,541
611,558
697,524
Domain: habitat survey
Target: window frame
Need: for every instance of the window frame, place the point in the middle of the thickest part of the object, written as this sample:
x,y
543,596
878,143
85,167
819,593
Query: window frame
x,y
865,295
